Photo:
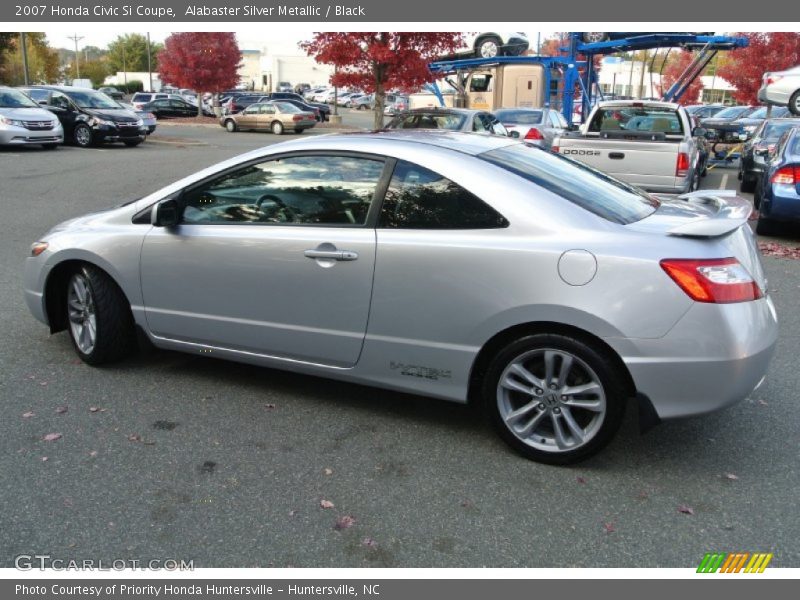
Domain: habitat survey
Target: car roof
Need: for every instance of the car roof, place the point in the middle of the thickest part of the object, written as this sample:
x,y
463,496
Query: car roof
x,y
637,103
439,110
61,88
466,143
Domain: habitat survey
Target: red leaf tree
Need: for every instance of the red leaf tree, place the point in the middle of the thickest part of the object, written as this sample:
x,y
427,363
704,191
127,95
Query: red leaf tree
x,y
674,68
766,52
205,62
377,61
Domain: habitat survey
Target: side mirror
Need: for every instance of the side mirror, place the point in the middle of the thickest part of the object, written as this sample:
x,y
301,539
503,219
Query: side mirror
x,y
166,213
699,132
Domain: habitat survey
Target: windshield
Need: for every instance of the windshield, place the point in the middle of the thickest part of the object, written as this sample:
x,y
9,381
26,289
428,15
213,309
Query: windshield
x,y
451,122
16,99
523,117
651,119
89,99
592,190
774,131
732,112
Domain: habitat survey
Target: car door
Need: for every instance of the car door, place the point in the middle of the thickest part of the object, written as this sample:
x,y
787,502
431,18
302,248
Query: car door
x,y
274,258
248,118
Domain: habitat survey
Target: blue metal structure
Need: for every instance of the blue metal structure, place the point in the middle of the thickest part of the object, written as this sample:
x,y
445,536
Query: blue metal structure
x,y
581,75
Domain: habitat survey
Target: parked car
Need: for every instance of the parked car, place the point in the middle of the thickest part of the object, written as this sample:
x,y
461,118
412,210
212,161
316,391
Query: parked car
x,y
782,88
284,86
722,127
777,196
753,158
537,126
489,44
324,109
139,99
363,102
575,293
148,118
112,92
652,145
237,103
701,111
171,108
394,103
275,116
449,119
23,122
747,125
301,88
342,99
89,117
304,106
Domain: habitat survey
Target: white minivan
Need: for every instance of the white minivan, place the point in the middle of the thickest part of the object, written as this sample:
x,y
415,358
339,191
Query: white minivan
x,y
23,122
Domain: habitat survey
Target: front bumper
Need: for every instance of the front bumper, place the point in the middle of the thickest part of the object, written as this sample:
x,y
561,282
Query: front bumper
x,y
20,136
715,356
107,133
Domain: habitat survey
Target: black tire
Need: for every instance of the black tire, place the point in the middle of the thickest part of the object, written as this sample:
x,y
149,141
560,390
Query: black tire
x,y
82,135
49,146
299,130
277,127
132,143
602,369
481,52
115,332
230,125
794,104
362,107
757,196
765,226
747,184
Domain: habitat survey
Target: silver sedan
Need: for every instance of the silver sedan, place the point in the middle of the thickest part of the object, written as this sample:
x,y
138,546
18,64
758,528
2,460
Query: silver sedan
x,y
456,266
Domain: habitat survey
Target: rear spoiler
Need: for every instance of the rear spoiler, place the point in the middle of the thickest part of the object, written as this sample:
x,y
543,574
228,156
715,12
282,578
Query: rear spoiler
x,y
730,213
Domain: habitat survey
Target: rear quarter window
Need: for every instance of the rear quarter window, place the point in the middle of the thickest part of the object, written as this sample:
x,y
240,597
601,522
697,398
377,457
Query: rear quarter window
x,y
592,190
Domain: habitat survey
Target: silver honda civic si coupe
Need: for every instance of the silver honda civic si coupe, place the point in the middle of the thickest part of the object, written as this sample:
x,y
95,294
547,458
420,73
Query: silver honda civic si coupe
x,y
456,266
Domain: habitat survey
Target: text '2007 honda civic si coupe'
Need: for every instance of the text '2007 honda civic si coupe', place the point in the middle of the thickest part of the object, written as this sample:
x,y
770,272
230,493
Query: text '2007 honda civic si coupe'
x,y
456,266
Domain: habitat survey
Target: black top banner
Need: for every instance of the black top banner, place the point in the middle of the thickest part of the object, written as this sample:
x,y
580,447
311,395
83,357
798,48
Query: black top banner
x,y
609,12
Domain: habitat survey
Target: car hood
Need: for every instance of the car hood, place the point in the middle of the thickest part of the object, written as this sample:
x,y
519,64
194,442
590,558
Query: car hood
x,y
119,115
27,114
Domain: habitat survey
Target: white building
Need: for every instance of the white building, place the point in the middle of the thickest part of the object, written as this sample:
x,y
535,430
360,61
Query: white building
x,y
265,65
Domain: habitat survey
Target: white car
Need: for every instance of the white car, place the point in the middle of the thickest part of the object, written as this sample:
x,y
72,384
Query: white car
x,y
490,44
782,88
23,122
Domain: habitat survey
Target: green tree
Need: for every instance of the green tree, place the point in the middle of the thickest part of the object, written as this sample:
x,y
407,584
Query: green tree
x,y
42,60
97,70
129,53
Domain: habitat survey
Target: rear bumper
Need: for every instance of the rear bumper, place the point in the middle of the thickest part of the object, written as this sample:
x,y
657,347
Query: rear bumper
x,y
782,203
715,356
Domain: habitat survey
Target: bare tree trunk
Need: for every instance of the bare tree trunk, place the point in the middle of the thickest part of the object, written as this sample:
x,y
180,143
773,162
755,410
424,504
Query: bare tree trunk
x,y
199,104
380,98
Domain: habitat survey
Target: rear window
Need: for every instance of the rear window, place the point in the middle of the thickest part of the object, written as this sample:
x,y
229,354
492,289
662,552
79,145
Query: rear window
x,y
523,117
732,112
452,122
592,190
651,119
773,131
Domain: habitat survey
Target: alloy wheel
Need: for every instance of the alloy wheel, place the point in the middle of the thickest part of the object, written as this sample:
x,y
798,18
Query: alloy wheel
x,y
81,311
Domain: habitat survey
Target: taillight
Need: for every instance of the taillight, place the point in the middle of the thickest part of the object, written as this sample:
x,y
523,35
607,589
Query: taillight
x,y
717,280
555,149
772,79
682,165
297,117
534,134
787,175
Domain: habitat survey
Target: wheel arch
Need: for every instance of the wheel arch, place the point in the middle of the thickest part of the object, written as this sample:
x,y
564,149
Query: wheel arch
x,y
55,290
508,335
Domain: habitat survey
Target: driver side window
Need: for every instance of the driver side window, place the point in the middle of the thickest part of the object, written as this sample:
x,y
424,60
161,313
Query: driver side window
x,y
296,190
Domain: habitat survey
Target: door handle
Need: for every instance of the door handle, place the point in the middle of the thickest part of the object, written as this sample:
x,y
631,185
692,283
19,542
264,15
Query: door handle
x,y
331,254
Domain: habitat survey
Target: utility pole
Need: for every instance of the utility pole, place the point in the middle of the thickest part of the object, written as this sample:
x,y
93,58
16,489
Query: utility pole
x,y
641,75
75,38
124,67
24,45
150,66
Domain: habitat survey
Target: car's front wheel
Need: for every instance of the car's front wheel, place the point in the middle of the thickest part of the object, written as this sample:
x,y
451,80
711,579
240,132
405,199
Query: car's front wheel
x,y
100,320
554,398
794,103
82,135
488,47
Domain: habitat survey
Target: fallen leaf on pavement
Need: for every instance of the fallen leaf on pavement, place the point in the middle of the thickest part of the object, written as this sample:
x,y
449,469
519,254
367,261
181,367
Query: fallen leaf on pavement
x,y
62,409
44,459
779,250
328,471
731,476
93,453
269,406
687,510
344,522
609,527
292,513
28,415
326,504
763,402
369,542
52,437
134,437
580,479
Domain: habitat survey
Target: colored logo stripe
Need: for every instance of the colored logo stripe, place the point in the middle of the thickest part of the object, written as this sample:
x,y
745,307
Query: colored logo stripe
x,y
734,562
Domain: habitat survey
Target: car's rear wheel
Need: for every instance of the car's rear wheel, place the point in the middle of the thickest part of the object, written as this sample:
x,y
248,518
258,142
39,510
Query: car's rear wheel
x,y
99,317
748,184
554,398
765,226
277,127
82,135
794,103
230,125
488,47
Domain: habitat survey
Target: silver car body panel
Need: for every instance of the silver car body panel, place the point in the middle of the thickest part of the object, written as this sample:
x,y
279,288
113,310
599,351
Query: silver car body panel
x,y
781,91
415,309
43,127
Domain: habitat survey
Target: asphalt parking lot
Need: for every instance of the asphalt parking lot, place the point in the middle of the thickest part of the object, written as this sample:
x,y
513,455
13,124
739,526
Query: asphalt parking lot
x,y
182,457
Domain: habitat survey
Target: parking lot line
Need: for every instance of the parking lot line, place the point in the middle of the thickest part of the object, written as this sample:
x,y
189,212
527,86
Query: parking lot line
x,y
723,184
